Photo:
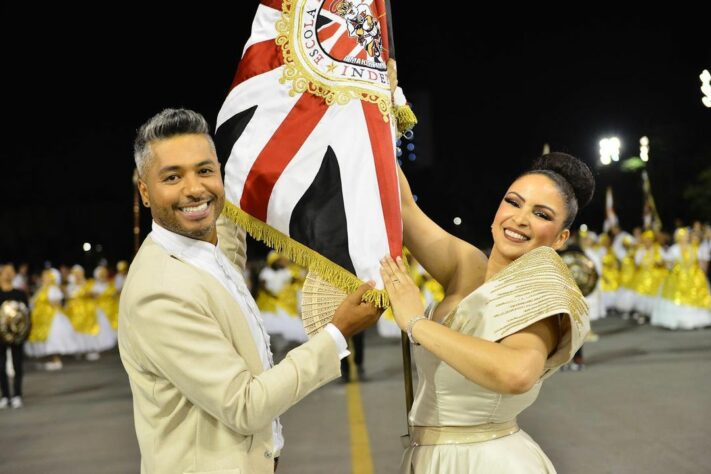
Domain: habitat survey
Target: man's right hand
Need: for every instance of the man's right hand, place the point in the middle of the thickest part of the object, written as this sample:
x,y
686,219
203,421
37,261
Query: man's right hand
x,y
355,315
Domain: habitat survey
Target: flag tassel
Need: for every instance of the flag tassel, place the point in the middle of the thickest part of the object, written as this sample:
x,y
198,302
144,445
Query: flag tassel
x,y
405,118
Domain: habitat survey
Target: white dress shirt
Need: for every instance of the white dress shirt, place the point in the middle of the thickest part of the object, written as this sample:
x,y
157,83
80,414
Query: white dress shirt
x,y
211,259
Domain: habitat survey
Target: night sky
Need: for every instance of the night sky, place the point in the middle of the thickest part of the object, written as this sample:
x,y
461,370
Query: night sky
x,y
490,90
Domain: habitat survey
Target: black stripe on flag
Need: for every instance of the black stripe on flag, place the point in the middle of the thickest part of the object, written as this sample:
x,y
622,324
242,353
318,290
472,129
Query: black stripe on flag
x,y
319,218
322,21
229,132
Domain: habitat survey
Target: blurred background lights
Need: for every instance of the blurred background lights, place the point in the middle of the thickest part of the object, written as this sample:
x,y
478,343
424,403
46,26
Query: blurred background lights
x,y
644,149
706,87
609,150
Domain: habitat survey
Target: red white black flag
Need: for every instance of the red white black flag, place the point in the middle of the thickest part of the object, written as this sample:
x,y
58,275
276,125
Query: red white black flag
x,y
307,139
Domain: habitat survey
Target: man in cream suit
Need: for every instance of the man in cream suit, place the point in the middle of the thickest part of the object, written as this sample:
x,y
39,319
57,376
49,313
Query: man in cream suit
x,y
206,393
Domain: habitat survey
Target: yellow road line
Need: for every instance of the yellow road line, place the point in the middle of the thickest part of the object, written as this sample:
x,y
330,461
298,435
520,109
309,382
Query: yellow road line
x,y
361,460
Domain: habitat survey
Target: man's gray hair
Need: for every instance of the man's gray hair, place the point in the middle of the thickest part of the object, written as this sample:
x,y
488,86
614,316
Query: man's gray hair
x,y
166,124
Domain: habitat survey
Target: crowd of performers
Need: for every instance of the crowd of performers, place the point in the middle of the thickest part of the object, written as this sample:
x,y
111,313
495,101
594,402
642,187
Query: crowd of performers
x,y
277,287
71,314
647,277
644,276
277,290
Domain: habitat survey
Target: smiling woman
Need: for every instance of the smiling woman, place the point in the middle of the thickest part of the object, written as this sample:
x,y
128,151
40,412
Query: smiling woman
x,y
505,324
539,208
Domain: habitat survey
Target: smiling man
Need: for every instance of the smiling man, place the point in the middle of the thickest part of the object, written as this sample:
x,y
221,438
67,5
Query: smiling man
x,y
185,193
206,393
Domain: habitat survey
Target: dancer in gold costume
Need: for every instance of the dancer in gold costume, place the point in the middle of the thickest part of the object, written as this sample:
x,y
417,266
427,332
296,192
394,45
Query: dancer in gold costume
x,y
686,300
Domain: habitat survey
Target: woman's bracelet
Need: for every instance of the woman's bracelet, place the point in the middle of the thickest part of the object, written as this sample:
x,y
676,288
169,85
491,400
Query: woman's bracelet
x,y
410,325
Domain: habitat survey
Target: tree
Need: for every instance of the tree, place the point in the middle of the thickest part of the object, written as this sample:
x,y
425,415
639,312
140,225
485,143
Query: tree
x,y
698,194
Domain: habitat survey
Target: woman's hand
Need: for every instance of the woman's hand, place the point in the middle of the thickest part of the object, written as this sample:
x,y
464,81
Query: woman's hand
x,y
403,293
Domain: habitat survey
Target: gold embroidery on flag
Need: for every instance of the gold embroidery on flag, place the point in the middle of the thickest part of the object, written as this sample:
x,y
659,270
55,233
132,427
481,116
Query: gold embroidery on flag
x,y
303,79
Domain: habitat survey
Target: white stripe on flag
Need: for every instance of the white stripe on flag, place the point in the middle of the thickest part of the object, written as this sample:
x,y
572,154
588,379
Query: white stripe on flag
x,y
263,26
328,44
292,184
274,105
344,128
367,235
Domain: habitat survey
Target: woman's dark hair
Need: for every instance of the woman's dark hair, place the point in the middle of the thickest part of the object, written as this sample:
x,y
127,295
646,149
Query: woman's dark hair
x,y
572,177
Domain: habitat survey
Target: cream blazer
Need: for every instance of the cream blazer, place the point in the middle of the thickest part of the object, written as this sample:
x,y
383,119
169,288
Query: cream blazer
x,y
202,400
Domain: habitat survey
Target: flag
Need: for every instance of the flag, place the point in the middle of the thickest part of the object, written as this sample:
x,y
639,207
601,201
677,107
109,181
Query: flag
x,y
650,216
611,219
307,139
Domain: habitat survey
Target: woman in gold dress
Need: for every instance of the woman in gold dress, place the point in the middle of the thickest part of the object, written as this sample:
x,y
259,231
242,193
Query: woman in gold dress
x,y
106,298
80,308
650,275
628,267
686,300
610,278
506,323
51,334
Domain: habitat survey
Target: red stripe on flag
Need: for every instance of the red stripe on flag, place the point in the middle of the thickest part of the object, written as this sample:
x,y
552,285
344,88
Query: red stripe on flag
x,y
381,141
278,152
343,46
259,58
275,4
327,31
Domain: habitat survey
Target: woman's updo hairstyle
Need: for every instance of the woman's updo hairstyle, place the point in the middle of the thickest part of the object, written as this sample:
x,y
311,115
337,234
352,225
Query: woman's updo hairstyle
x,y
573,178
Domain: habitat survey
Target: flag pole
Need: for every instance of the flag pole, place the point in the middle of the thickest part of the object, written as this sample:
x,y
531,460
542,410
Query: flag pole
x,y
405,342
391,41
649,205
407,369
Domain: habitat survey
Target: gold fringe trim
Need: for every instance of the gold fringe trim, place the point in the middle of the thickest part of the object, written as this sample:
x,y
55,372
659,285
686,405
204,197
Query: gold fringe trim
x,y
302,255
404,118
